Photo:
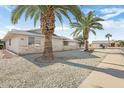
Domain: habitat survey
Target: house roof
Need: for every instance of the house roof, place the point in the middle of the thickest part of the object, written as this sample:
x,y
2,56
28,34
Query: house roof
x,y
101,41
33,32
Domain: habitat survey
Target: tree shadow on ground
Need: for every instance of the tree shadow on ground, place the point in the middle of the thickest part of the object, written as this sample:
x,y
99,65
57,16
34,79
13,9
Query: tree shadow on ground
x,y
78,54
114,72
59,57
65,60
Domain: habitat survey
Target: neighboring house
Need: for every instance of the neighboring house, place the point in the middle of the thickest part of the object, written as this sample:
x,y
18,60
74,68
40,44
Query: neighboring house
x,y
97,44
32,41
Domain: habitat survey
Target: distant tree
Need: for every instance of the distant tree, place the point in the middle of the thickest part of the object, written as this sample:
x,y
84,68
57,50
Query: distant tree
x,y
108,36
120,43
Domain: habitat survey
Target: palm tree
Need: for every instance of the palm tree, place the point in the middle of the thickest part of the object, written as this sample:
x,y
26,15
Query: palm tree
x,y
89,23
80,40
108,36
46,15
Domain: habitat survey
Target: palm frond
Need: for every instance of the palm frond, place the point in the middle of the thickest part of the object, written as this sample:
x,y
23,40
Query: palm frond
x,y
93,31
17,13
88,23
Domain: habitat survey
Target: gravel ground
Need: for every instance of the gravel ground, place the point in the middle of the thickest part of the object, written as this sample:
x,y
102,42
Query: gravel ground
x,y
69,70
123,49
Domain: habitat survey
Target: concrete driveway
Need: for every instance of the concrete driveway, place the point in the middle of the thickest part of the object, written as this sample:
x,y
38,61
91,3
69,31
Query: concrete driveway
x,y
109,73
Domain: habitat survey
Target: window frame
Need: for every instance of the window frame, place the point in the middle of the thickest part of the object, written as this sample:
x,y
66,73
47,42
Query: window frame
x,y
65,43
10,42
30,40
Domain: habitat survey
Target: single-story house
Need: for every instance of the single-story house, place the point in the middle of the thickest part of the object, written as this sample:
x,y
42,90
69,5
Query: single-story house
x,y
97,44
32,41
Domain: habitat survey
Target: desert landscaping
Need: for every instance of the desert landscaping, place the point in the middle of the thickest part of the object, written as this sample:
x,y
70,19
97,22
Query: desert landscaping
x,y
69,70
86,51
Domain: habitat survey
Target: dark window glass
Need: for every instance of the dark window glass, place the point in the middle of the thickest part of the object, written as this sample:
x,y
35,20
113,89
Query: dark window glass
x,y
30,40
65,43
9,42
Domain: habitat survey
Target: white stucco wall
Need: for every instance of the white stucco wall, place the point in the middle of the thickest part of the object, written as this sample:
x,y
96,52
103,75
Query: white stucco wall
x,y
24,48
19,44
71,45
96,45
57,44
14,44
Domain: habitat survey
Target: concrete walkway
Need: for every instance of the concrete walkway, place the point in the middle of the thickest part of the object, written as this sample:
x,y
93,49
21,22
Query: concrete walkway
x,y
5,54
109,73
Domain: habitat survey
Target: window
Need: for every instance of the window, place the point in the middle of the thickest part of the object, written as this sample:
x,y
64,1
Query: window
x,y
30,40
37,41
22,38
9,42
65,43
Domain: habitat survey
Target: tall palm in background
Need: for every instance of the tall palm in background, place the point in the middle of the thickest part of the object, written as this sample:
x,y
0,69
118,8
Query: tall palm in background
x,y
89,23
46,15
108,36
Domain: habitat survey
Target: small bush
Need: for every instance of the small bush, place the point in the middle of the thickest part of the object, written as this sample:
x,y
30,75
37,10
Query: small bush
x,y
1,46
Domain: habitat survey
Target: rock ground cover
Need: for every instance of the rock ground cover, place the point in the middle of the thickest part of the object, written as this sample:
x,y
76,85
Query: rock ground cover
x,y
69,70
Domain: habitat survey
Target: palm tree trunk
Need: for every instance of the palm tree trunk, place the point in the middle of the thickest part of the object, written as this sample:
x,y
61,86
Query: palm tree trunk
x,y
109,41
49,26
48,50
86,36
86,45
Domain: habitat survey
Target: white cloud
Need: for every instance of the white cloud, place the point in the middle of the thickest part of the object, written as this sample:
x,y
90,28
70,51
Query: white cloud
x,y
111,12
115,27
8,8
62,28
12,27
2,33
63,31
114,24
6,29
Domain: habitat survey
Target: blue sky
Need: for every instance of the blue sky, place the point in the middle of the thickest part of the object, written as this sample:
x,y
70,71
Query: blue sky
x,y
113,15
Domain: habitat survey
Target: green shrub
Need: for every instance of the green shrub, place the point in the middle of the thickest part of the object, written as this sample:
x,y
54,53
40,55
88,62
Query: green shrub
x,y
1,46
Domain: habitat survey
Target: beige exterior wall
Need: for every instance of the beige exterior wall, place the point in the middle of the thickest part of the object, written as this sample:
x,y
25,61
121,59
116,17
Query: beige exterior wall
x,y
96,45
14,44
71,45
57,44
19,45
24,48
